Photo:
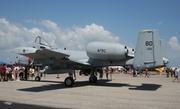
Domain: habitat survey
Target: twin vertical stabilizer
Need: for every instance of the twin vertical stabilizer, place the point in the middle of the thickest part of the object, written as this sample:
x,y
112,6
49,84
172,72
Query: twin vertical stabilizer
x,y
148,50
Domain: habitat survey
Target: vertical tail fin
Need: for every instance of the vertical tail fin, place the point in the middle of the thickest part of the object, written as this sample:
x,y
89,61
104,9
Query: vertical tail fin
x,y
148,50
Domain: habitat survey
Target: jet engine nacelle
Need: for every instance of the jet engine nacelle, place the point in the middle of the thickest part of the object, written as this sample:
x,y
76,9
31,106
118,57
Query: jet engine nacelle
x,y
106,51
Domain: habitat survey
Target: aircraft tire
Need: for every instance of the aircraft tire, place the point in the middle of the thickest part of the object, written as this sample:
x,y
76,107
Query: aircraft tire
x,y
69,81
92,79
80,72
37,78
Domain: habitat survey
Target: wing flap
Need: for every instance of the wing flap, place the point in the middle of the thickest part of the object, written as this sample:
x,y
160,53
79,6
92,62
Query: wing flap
x,y
81,62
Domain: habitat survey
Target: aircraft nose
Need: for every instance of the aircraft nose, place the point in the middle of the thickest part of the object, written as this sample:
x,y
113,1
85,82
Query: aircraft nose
x,y
24,50
19,50
16,50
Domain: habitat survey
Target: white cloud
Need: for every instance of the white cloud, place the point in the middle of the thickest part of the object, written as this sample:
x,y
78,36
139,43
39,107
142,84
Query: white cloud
x,y
10,35
173,42
174,51
15,35
76,37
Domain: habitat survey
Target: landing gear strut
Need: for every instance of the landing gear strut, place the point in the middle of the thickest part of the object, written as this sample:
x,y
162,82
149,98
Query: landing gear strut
x,y
93,77
39,75
69,81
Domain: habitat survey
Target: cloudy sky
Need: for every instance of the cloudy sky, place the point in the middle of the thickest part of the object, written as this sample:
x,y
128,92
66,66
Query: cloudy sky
x,y
74,23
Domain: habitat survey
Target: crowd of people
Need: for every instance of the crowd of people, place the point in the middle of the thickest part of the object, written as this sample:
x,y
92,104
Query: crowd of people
x,y
110,71
141,73
6,72
174,73
11,72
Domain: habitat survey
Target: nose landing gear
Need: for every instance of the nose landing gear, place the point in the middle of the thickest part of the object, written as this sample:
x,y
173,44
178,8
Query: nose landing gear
x,y
69,81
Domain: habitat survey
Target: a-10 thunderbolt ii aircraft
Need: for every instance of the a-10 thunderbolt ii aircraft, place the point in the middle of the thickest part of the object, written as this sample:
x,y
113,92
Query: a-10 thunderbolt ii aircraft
x,y
149,53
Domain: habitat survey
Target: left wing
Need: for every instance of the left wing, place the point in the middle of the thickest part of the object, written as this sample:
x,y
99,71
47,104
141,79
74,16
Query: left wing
x,y
51,53
41,53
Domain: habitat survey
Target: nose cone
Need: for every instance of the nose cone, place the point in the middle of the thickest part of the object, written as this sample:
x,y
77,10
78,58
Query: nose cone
x,y
16,50
24,50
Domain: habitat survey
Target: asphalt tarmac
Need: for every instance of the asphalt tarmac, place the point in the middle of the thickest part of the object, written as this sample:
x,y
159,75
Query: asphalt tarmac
x,y
122,92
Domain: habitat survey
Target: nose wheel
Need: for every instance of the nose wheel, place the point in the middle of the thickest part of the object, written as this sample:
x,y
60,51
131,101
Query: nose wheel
x,y
69,81
37,78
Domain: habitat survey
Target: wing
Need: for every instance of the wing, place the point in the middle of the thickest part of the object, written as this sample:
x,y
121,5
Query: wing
x,y
54,55
51,53
42,53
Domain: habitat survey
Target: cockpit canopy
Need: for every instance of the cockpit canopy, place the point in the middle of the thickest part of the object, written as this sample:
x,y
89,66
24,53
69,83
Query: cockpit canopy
x,y
42,42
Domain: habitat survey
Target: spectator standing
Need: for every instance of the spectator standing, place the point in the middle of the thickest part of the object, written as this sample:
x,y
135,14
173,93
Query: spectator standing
x,y
1,72
4,76
134,72
111,72
130,72
16,74
140,73
146,73
8,71
107,73
101,74
172,72
176,75
167,72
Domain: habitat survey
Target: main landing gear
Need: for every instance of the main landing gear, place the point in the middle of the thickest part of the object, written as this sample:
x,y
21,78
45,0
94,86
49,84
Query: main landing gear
x,y
93,77
69,81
